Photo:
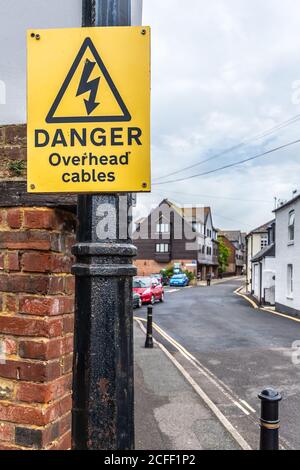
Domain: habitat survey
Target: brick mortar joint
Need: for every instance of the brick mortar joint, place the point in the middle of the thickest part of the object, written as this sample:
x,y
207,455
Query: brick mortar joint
x,y
35,274
16,382
40,209
42,428
37,229
12,446
37,339
6,146
27,316
34,405
46,296
58,440
47,362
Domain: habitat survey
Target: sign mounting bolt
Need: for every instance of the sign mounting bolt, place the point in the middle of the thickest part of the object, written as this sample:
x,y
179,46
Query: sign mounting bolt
x,y
143,32
32,186
144,185
37,37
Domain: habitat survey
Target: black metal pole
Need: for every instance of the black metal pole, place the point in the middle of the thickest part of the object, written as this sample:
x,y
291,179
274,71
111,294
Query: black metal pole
x,y
106,13
149,337
103,414
269,421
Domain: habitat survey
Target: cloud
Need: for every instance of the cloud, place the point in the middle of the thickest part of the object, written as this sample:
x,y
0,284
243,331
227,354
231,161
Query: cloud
x,y
223,71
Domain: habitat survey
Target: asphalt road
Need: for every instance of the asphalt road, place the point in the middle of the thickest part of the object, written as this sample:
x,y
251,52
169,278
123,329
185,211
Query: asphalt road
x,y
244,349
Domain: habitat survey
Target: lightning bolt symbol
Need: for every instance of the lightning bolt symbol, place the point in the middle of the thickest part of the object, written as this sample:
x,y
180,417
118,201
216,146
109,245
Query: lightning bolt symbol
x,y
86,86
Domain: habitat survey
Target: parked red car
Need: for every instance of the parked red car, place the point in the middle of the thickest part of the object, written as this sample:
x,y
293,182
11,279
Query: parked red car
x,y
149,289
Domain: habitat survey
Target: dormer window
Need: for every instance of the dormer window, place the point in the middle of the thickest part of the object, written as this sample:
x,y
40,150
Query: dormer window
x,y
264,241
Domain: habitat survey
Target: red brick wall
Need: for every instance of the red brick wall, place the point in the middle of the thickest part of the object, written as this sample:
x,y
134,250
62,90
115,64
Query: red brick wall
x,y
231,269
36,328
13,153
147,267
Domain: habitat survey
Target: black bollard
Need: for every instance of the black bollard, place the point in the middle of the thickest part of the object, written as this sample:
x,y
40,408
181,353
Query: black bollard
x,y
269,421
149,337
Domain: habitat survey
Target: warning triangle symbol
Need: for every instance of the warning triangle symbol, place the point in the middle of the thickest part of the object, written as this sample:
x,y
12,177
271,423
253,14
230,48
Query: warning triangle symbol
x,y
89,92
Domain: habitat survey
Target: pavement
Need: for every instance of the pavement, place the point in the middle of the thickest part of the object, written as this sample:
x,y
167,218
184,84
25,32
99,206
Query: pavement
x,y
233,351
169,414
215,282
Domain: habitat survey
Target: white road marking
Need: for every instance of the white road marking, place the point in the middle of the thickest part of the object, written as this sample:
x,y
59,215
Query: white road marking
x,y
246,412
235,434
178,289
229,394
204,371
248,406
215,380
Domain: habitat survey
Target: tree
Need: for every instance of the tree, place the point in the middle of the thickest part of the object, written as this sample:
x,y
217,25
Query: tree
x,y
224,254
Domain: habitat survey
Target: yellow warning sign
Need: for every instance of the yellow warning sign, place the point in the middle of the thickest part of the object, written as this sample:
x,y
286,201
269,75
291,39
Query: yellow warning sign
x,y
89,110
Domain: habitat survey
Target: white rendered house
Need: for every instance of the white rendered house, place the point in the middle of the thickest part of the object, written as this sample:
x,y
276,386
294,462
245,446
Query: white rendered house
x,y
287,285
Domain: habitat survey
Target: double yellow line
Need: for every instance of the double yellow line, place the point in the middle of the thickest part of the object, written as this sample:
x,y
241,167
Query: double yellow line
x,y
211,405
264,309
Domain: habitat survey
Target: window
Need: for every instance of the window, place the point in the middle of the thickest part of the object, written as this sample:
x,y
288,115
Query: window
x,y
197,227
162,228
290,280
162,248
264,241
291,236
141,282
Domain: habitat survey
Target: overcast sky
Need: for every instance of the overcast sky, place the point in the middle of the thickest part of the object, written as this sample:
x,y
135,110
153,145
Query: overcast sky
x,y
222,72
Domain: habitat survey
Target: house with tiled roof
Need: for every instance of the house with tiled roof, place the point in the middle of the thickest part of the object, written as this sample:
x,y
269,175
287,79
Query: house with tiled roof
x,y
287,282
263,270
256,240
235,242
175,234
